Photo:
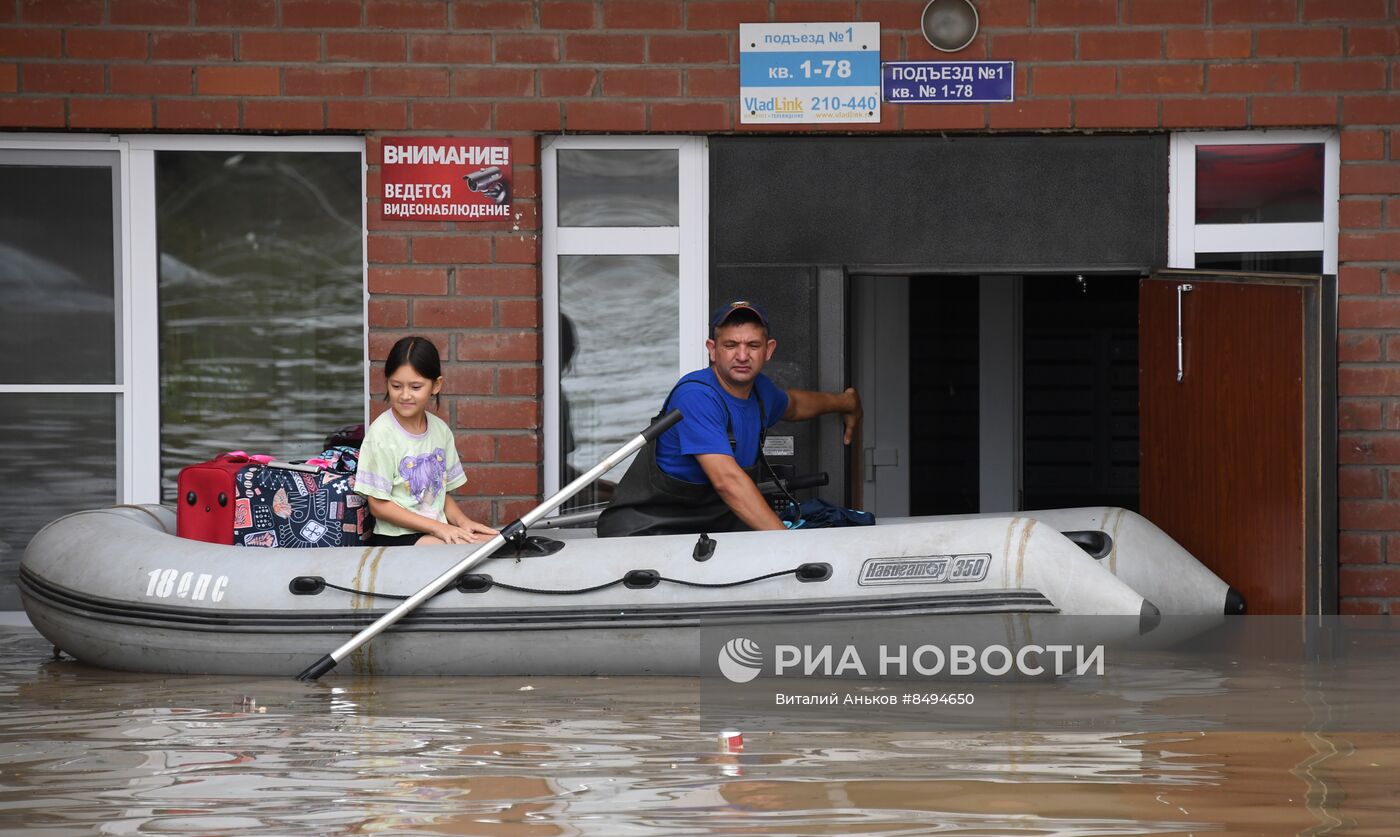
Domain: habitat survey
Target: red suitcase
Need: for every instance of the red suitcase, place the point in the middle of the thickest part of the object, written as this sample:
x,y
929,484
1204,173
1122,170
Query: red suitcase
x,y
204,511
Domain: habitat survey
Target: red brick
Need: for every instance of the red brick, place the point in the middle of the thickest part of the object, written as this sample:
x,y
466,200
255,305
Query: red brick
x,y
72,12
365,47
503,480
63,78
476,448
1053,13
1217,43
527,49
1358,415
451,116
152,78
493,83
1116,113
1371,179
1299,43
724,14
192,46
1369,247
1161,78
568,82
517,249
284,116
1344,9
419,281
605,49
518,448
451,313
279,46
321,14
944,117
688,49
1392,421
1372,581
388,313
519,380
451,249
641,14
1217,112
1254,11
1362,144
109,114
1360,214
367,115
380,342
1362,607
387,249
413,82
493,14
1392,213
709,82
792,11
528,116
1119,46
239,81
1358,348
510,510
1034,47
460,379
197,114
1359,483
1035,114
1373,40
1359,549
31,43
1342,75
105,44
1071,80
499,345
1372,110
513,414
1369,313
148,12
235,13
690,116
1392,353
335,81
1147,12
526,182
450,49
9,78
1294,110
30,112
406,14
571,14
1271,77
642,83
605,116
1358,280
498,281
1372,380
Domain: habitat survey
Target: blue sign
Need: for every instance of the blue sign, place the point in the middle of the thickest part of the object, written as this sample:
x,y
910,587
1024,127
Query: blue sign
x,y
957,82
809,72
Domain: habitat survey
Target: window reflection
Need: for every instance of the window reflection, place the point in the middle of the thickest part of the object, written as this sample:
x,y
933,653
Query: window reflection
x,y
619,188
1252,184
1301,261
261,303
618,355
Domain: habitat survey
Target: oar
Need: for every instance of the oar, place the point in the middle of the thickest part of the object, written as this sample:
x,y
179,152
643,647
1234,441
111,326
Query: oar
x,y
485,551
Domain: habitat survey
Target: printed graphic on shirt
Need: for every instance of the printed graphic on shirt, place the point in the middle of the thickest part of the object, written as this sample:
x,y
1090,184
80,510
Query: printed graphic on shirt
x,y
424,474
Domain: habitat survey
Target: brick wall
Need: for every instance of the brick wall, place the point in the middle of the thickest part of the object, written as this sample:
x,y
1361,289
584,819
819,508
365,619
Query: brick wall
x,y
519,68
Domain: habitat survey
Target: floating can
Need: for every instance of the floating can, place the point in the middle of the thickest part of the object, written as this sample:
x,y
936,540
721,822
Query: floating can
x,y
731,741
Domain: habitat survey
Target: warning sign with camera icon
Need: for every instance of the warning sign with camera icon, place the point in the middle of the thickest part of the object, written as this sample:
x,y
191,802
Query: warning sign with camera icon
x,y
446,179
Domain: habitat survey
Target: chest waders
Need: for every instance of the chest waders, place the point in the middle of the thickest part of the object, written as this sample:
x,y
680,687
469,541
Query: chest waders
x,y
649,501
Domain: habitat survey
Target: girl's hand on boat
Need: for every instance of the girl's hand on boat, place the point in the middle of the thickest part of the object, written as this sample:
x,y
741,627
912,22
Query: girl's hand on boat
x,y
478,532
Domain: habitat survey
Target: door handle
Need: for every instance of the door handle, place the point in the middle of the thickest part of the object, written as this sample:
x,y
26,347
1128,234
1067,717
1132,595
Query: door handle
x,y
1180,342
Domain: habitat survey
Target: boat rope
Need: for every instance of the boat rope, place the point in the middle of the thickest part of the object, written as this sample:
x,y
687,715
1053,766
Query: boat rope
x,y
636,579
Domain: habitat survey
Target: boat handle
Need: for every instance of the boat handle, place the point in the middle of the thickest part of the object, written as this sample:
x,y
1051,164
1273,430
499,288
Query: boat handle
x,y
1180,364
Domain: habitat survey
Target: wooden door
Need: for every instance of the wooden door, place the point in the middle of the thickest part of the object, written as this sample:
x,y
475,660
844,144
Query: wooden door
x,y
1224,454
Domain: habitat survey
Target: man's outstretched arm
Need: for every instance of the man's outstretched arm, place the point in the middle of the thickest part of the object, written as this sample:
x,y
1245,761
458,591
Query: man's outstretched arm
x,y
738,491
804,404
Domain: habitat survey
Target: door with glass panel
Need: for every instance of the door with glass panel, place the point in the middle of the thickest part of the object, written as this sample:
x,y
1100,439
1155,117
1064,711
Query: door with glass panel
x,y
62,376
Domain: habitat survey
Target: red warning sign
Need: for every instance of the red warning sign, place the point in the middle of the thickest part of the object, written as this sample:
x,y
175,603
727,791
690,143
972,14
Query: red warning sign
x,y
446,179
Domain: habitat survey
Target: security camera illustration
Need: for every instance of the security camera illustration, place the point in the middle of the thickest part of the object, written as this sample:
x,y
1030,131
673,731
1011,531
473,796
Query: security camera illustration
x,y
489,182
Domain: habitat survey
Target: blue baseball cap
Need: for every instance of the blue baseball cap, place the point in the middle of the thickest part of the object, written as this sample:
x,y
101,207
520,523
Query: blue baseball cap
x,y
727,310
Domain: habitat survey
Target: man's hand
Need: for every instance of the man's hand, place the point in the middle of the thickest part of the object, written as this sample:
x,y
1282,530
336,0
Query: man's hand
x,y
851,413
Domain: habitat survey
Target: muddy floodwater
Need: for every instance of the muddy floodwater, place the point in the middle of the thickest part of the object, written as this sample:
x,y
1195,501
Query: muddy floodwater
x,y
87,751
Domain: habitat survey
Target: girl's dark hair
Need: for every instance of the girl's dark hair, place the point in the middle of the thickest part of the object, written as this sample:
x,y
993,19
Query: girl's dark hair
x,y
420,354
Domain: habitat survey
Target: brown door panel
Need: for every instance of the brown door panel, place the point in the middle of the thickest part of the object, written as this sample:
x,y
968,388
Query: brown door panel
x,y
1223,449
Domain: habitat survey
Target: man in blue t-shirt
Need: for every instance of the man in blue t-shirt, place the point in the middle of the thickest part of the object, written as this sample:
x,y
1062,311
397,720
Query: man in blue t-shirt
x,y
702,474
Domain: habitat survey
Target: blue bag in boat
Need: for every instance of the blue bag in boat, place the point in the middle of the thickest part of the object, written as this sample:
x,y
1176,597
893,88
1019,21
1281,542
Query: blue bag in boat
x,y
817,513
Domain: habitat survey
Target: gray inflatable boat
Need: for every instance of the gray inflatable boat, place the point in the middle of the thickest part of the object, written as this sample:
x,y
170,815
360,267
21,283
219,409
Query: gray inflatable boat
x,y
116,588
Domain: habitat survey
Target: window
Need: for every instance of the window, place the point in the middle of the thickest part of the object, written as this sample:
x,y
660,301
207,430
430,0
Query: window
x,y
624,291
166,299
1255,201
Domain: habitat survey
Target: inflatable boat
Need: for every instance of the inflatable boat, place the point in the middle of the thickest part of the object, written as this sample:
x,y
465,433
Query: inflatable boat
x,y
116,588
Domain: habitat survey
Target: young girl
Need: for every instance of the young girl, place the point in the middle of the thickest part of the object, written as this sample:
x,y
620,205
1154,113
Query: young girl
x,y
408,461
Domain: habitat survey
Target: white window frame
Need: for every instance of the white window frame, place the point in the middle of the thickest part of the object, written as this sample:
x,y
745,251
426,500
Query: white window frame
x,y
689,240
138,393
1187,238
